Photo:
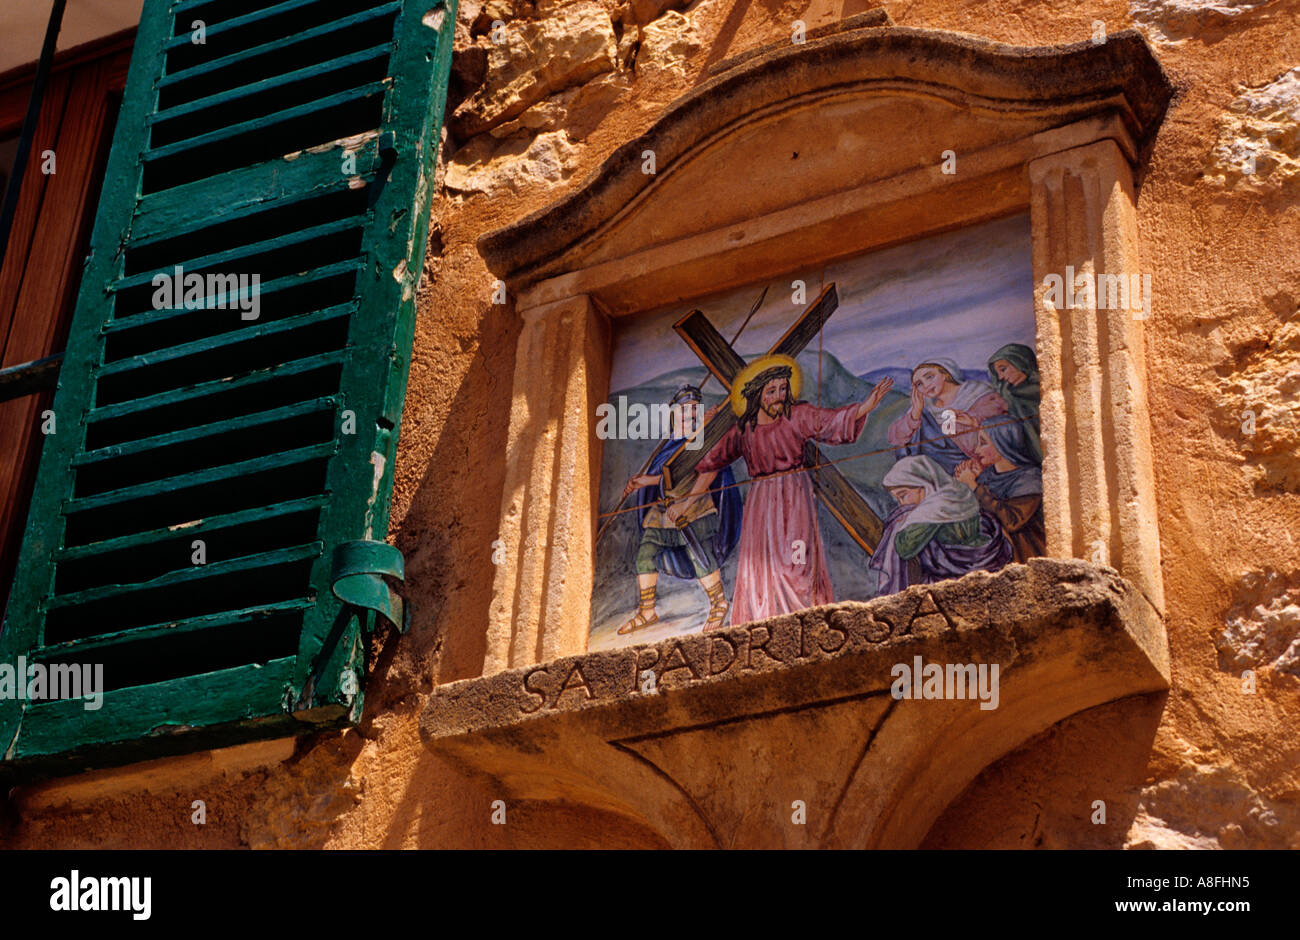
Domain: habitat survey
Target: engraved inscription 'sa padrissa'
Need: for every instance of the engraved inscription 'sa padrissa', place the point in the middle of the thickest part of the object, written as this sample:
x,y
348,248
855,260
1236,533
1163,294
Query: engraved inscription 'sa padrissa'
x,y
810,636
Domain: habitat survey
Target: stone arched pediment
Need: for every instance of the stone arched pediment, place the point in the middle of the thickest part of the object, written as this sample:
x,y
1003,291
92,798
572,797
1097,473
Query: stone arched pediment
x,y
803,123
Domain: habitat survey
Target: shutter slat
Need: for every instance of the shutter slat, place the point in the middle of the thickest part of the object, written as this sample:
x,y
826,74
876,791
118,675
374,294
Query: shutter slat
x,y
150,317
232,338
176,211
204,389
337,26
225,26
203,263
270,84
191,625
316,205
212,475
260,124
191,435
191,575
184,7
212,523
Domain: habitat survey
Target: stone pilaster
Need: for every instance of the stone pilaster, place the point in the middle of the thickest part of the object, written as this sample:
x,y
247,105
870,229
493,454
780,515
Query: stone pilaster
x,y
1098,482
542,592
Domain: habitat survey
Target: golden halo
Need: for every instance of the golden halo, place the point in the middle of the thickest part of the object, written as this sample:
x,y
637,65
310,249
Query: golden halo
x,y
754,368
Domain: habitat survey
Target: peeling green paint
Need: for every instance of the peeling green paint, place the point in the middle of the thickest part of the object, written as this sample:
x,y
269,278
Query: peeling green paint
x,y
96,472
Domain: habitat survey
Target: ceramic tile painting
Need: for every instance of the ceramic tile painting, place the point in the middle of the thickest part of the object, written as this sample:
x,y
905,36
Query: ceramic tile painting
x,y
836,434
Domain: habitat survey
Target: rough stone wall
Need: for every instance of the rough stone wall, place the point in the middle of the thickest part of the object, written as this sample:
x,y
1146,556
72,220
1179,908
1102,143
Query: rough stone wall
x,y
1219,213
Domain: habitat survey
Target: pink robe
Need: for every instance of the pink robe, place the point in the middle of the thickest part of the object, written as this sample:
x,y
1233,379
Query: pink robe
x,y
781,510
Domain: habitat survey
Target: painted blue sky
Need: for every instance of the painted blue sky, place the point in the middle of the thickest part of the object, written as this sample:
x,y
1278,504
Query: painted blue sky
x,y
961,295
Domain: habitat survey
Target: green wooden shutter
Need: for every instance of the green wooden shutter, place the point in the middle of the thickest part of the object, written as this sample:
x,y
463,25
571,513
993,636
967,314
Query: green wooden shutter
x,y
176,425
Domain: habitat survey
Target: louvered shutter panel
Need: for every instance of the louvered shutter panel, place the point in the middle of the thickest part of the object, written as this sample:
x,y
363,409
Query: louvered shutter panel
x,y
297,142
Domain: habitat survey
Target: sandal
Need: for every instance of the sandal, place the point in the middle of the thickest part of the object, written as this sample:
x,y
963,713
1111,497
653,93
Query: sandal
x,y
639,620
718,608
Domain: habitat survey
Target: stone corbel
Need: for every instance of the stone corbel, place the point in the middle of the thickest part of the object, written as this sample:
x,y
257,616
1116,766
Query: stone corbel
x,y
709,739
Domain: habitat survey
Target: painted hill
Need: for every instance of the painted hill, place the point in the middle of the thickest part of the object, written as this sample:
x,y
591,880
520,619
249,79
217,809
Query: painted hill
x,y
902,377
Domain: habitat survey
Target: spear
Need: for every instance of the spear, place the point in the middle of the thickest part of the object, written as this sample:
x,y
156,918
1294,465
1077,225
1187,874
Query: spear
x,y
664,443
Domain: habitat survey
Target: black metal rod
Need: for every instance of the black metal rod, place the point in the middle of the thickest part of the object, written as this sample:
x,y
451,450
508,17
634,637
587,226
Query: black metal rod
x,y
29,124
28,378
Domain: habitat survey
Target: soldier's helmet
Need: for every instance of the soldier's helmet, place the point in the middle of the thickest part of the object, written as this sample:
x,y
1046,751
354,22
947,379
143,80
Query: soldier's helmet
x,y
687,393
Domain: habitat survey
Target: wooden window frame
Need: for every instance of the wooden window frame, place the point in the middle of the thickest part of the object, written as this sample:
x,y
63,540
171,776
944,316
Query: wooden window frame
x,y
49,238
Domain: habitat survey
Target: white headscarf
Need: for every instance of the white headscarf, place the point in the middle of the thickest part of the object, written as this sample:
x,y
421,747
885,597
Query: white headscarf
x,y
946,500
969,391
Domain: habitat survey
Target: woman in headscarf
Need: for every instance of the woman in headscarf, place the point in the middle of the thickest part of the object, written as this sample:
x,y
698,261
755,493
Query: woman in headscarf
x,y
1014,370
1005,477
938,530
938,387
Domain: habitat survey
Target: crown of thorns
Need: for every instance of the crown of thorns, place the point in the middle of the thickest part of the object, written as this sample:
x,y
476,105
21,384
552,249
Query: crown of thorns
x,y
755,385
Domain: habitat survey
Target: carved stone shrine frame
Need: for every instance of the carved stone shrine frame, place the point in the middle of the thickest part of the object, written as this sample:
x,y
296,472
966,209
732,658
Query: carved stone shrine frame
x,y
799,156
1056,132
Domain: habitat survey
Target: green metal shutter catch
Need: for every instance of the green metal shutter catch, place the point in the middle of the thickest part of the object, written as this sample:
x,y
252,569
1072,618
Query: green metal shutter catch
x,y
357,579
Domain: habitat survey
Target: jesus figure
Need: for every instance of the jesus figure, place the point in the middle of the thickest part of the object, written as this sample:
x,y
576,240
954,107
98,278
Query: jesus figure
x,y
781,565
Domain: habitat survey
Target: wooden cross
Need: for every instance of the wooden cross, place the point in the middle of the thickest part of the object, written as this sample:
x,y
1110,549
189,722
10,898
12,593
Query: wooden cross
x,y
831,487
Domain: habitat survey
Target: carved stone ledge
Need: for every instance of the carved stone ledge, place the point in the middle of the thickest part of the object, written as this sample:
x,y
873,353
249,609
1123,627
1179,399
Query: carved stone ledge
x,y
745,721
